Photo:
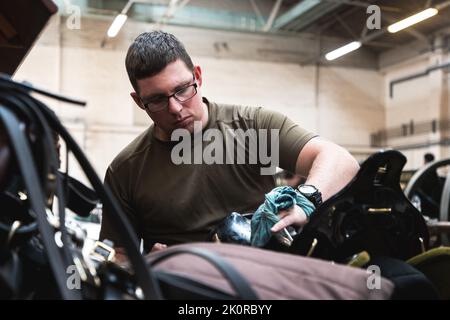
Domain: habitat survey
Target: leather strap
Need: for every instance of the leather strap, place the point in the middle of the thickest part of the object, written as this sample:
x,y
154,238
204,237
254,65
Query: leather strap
x,y
13,209
24,158
237,282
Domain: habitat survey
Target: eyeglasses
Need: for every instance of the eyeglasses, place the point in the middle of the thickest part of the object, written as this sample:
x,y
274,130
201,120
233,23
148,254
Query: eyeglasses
x,y
160,103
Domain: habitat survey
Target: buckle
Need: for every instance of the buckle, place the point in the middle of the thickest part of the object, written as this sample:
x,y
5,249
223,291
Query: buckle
x,y
103,251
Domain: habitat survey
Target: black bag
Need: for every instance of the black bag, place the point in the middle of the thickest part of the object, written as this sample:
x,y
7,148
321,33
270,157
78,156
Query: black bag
x,y
370,214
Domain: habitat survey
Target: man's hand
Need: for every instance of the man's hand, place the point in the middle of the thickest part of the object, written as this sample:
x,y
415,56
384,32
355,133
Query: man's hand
x,y
294,216
122,259
158,247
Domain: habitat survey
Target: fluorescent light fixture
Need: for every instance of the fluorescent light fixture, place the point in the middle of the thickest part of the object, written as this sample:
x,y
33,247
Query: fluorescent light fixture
x,y
339,52
416,18
116,25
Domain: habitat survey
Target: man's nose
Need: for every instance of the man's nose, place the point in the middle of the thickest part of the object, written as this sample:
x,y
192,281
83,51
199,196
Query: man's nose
x,y
174,106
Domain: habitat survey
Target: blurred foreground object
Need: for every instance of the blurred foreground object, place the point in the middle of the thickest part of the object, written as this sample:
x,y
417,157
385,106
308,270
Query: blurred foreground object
x,y
21,22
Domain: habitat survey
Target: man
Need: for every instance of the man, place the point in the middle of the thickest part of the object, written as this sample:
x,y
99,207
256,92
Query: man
x,y
170,203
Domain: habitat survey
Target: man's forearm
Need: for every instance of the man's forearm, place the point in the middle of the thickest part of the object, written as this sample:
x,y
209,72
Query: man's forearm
x,y
332,170
327,166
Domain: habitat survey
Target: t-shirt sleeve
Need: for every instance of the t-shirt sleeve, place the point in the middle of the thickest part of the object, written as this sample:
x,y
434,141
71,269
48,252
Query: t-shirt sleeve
x,y
292,137
107,230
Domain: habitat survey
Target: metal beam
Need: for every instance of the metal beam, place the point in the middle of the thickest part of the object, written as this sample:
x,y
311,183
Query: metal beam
x,y
442,5
311,10
173,6
364,40
273,15
257,12
346,27
364,31
182,4
373,35
127,6
365,4
352,3
200,17
295,12
332,21
382,44
312,15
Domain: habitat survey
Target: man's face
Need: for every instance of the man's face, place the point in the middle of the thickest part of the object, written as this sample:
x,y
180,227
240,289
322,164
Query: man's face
x,y
174,77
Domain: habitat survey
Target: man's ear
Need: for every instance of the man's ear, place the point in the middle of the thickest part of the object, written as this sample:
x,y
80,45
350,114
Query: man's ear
x,y
198,75
137,100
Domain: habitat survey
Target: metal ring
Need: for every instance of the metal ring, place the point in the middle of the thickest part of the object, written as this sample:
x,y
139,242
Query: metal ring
x,y
422,245
15,225
312,248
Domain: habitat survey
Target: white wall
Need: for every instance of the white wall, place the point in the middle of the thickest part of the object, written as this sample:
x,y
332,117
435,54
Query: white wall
x,y
288,88
419,100
413,99
342,104
350,105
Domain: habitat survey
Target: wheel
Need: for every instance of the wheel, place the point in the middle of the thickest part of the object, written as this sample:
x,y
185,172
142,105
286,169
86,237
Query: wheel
x,y
429,189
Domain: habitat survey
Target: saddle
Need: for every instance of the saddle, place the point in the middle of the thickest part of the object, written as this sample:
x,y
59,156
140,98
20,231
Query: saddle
x,y
370,214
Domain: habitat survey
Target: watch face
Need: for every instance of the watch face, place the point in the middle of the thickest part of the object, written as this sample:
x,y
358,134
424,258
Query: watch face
x,y
307,189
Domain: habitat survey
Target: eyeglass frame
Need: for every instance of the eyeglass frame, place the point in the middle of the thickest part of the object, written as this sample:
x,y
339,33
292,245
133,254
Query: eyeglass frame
x,y
195,85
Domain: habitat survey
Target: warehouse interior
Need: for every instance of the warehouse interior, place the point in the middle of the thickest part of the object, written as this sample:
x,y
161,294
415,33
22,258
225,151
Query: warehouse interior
x,y
336,68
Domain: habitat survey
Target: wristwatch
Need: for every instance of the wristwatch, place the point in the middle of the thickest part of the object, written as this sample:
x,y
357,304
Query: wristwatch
x,y
311,193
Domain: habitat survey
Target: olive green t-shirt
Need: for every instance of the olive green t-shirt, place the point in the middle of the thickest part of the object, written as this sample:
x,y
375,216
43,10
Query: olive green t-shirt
x,y
176,203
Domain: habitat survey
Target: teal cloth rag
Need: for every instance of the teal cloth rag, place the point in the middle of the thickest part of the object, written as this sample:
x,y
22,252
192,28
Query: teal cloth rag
x,y
266,216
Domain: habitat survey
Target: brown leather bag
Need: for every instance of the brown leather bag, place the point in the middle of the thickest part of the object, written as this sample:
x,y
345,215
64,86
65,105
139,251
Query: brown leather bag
x,y
272,275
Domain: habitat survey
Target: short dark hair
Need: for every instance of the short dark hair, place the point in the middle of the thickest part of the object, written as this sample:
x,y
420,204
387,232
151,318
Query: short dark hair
x,y
151,52
428,157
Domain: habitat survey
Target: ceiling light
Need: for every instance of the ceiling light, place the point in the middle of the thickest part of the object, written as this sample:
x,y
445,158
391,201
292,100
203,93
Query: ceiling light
x,y
339,52
416,18
116,25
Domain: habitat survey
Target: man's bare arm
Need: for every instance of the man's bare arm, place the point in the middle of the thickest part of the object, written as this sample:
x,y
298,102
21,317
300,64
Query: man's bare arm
x,y
328,167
